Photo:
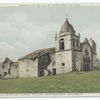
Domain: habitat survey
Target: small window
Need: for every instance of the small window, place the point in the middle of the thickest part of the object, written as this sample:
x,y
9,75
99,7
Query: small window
x,y
61,44
63,64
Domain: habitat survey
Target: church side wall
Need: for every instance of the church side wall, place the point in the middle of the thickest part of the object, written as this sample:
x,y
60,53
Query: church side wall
x,y
28,68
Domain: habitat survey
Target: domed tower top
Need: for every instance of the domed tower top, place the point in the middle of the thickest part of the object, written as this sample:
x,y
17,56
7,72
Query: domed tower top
x,y
67,27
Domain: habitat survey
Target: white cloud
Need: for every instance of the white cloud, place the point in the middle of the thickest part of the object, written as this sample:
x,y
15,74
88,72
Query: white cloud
x,y
19,36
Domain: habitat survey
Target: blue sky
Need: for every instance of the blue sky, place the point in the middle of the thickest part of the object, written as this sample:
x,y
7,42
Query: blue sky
x,y
25,29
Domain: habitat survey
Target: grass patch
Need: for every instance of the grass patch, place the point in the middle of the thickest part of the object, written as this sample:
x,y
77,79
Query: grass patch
x,y
74,82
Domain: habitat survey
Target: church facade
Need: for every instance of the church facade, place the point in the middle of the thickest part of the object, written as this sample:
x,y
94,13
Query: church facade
x,y
69,54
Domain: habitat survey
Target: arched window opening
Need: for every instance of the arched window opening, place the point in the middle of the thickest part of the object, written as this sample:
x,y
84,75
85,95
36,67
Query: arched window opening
x,y
77,43
61,44
73,42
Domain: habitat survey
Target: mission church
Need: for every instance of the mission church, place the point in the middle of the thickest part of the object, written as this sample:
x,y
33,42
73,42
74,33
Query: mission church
x,y
69,54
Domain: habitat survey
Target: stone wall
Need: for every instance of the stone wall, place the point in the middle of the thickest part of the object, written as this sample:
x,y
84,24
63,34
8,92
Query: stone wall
x,y
63,61
28,68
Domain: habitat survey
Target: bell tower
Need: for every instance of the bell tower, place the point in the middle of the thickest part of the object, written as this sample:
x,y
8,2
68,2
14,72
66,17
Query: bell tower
x,y
64,48
64,39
